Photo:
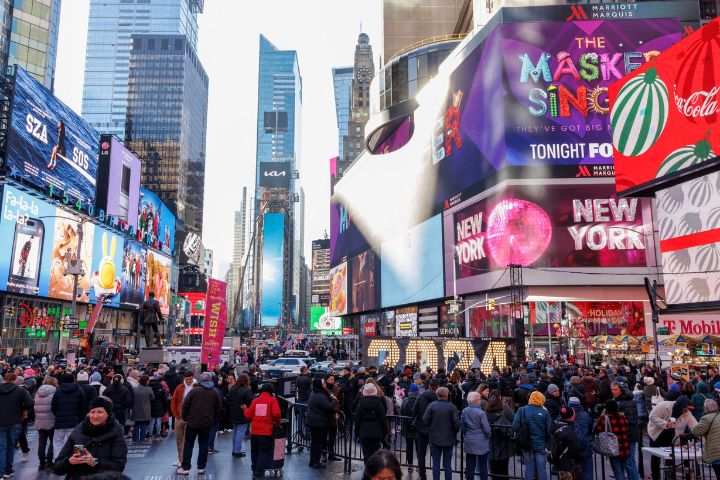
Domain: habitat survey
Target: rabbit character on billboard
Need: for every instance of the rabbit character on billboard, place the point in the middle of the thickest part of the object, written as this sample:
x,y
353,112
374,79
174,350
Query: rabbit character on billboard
x,y
106,283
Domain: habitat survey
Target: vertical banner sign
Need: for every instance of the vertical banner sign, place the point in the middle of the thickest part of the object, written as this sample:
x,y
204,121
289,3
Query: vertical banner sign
x,y
215,320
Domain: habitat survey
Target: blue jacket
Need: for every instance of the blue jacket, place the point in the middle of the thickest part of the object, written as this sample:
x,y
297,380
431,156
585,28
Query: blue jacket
x,y
539,426
441,417
583,429
476,429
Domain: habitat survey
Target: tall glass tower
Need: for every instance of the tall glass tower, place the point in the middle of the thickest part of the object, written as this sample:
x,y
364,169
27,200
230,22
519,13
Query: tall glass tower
x,y
107,62
342,85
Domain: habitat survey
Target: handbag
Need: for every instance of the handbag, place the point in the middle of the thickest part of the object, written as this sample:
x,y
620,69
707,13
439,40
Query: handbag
x,y
606,443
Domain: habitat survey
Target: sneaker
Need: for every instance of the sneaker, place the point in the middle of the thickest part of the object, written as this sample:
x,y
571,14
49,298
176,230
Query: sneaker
x,y
201,471
24,457
182,471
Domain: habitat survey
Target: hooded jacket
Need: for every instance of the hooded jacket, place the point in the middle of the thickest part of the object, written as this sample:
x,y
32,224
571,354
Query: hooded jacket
x,y
106,443
539,425
13,401
69,405
476,430
201,409
44,418
263,414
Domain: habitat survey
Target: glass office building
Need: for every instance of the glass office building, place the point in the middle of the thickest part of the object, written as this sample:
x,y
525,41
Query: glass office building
x,y
29,37
167,121
110,28
342,85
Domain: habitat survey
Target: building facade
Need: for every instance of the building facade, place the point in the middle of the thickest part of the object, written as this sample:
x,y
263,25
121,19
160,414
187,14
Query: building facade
x,y
208,262
319,272
29,37
167,122
111,26
342,87
363,74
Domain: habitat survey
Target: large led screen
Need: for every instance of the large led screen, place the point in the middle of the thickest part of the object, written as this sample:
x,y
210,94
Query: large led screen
x,y
133,274
364,282
48,144
346,239
106,268
118,191
156,222
339,290
411,265
545,226
159,271
271,303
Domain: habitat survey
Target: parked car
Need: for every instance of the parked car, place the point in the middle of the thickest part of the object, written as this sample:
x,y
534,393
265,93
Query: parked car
x,y
283,366
323,368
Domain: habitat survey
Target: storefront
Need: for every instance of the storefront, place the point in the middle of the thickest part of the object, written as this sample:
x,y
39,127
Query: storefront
x,y
690,339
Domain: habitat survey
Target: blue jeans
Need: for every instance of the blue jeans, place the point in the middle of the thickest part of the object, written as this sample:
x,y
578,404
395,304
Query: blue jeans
x,y
535,465
631,469
156,426
239,431
477,463
141,428
588,466
8,437
446,453
618,467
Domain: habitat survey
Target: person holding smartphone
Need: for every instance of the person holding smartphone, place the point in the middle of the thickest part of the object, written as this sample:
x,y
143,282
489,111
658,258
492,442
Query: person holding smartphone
x,y
96,445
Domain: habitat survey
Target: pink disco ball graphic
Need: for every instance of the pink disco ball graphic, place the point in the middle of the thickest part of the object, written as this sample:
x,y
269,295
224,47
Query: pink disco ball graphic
x,y
518,232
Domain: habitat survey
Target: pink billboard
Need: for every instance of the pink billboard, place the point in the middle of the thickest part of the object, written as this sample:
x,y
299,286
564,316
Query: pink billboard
x,y
215,321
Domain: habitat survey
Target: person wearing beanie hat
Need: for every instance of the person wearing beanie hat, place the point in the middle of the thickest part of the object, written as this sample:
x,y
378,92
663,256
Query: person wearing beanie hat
x,y
553,401
96,383
583,431
533,426
263,413
566,453
104,448
369,416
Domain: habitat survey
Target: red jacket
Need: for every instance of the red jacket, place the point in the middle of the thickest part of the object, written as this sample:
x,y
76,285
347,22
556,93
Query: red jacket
x,y
263,413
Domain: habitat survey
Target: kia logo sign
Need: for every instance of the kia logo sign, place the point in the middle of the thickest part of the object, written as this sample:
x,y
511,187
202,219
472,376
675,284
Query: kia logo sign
x,y
275,173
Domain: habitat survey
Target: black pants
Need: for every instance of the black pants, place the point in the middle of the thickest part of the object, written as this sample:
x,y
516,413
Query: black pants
x,y
332,435
45,446
421,442
151,338
716,469
499,468
202,435
318,439
665,439
410,449
260,446
22,438
369,446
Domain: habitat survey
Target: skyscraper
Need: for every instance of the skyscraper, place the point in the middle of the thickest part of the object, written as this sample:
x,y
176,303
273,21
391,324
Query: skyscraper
x,y
277,189
107,62
363,73
167,121
29,37
236,266
342,86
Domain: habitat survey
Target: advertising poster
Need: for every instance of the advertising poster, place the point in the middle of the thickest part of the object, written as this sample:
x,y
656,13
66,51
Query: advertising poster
x,y
133,274
406,322
316,313
549,226
275,174
159,269
387,324
272,294
666,115
49,144
345,237
609,318
365,290
451,324
106,272
156,223
196,301
339,290
484,323
369,325
118,190
411,265
215,322
65,238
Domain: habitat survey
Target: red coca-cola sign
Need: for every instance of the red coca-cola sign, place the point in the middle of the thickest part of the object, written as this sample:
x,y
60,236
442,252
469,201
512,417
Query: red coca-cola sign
x,y
665,116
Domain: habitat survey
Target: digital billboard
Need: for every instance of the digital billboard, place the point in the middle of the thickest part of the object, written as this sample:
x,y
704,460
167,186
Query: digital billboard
x,y
275,174
133,274
192,248
545,226
346,239
666,115
156,222
272,285
106,268
339,289
48,144
316,313
196,300
364,282
406,322
159,270
118,181
411,265
65,238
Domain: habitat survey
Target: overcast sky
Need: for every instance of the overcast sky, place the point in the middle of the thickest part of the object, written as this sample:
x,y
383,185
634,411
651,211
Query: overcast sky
x,y
324,33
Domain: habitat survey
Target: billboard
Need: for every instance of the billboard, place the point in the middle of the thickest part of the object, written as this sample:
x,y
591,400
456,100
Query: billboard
x,y
118,181
665,116
215,322
106,268
65,237
316,313
275,174
156,223
557,225
346,239
159,270
192,248
688,223
272,283
339,290
364,282
197,302
48,144
406,322
133,274
411,265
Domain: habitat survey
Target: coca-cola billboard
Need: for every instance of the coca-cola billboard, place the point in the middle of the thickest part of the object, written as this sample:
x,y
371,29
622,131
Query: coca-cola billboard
x,y
665,116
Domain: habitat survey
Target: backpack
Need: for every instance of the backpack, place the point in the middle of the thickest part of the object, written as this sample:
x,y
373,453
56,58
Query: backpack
x,y
606,443
558,448
522,435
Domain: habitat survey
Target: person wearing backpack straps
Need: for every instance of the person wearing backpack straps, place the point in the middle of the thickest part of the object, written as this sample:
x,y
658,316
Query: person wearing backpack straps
x,y
566,452
709,427
612,421
533,429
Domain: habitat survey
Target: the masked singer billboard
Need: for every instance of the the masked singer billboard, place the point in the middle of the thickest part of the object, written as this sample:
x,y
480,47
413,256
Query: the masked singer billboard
x,y
156,222
545,226
49,145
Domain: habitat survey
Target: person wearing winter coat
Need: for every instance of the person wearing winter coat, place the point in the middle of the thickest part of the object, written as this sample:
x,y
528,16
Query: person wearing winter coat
x,y
626,404
142,409
423,431
369,415
201,411
651,391
583,424
103,445
96,383
69,406
537,421
441,417
83,381
476,437
553,401
709,428
45,421
698,400
566,452
662,430
122,398
263,414
614,421
320,408
158,405
500,418
15,403
408,430
239,398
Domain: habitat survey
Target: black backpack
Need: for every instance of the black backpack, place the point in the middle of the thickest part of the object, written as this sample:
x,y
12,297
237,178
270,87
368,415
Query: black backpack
x,y
558,447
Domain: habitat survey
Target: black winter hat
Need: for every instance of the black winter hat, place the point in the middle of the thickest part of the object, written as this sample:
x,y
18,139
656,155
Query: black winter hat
x,y
104,403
